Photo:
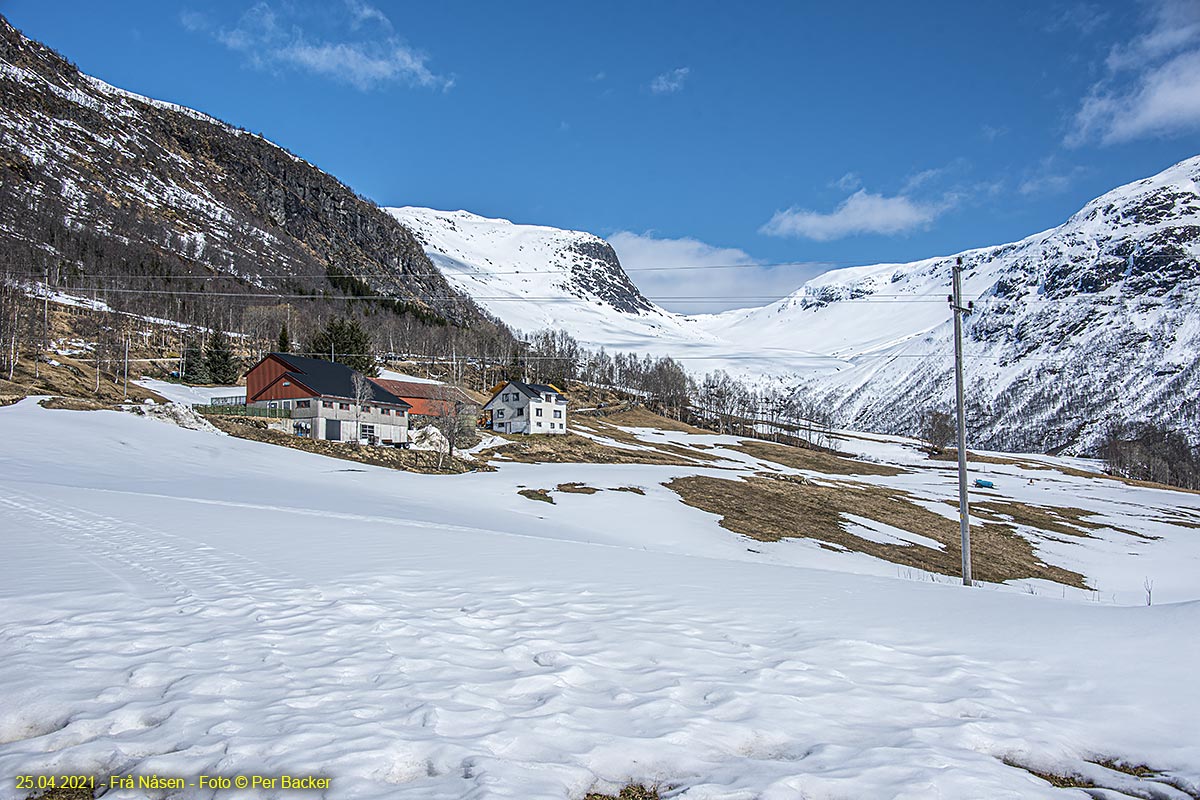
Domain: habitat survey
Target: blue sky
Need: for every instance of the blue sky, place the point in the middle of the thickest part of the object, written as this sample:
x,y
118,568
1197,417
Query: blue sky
x,y
687,132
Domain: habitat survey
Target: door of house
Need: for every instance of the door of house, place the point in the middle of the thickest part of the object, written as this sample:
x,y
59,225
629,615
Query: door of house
x,y
333,430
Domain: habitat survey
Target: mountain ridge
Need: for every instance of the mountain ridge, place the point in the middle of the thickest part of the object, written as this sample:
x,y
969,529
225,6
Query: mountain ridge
x,y
1059,316
170,198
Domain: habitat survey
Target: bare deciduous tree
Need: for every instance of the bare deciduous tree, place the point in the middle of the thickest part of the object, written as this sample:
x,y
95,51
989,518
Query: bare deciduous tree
x,y
364,390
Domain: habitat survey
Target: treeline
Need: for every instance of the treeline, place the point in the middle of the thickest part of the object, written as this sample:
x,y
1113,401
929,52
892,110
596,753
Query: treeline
x,y
717,401
1151,452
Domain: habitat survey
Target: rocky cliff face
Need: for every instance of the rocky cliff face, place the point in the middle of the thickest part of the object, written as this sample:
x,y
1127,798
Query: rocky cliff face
x,y
190,194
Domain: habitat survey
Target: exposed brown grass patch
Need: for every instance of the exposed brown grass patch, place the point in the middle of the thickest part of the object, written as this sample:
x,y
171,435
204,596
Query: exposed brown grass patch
x,y
576,488
642,418
255,429
769,509
630,792
571,448
74,378
1151,782
542,495
75,404
813,459
1066,520
80,793
633,489
625,436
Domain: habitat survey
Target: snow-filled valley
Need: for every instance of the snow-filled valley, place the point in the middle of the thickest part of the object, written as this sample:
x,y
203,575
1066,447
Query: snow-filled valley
x,y
181,602
1073,327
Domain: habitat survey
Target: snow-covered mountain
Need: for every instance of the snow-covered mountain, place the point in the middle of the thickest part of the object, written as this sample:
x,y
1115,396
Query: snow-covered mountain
x,y
535,277
1092,321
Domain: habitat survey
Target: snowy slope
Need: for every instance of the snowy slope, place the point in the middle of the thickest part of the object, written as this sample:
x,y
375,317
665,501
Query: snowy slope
x,y
183,603
1090,321
535,277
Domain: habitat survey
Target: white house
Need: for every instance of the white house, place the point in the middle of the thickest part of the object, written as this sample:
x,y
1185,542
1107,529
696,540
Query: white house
x,y
518,407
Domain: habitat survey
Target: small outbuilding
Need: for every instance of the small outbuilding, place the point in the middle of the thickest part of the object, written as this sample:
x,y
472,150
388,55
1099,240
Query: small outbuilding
x,y
431,400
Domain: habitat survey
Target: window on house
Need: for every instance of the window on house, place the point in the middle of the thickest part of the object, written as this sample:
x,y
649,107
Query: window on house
x,y
326,404
366,409
499,413
560,425
385,411
303,403
504,397
538,424
557,414
344,406
537,412
287,383
521,411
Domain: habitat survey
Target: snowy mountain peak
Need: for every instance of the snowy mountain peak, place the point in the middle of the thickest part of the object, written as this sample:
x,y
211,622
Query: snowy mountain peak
x,y
535,277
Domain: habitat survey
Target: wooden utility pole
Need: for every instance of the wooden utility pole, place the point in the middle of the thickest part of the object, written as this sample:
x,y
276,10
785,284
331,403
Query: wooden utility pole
x,y
964,513
126,390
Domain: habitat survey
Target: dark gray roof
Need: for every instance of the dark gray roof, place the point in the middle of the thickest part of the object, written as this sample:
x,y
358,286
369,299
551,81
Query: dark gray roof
x,y
534,390
331,379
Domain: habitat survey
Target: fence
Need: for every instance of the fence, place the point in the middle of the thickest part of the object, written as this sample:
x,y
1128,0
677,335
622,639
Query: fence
x,y
245,411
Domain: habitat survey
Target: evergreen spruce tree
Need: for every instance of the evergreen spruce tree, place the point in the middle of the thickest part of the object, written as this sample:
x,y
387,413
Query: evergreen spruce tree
x,y
223,366
195,370
284,345
343,340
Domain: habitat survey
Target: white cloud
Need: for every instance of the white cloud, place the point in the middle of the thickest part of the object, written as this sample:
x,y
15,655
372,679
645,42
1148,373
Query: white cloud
x,y
670,82
848,182
372,57
666,271
193,21
1152,85
861,212
365,13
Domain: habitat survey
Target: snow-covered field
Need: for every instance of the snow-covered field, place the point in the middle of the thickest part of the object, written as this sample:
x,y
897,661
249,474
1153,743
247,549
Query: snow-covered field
x,y
182,603
190,395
